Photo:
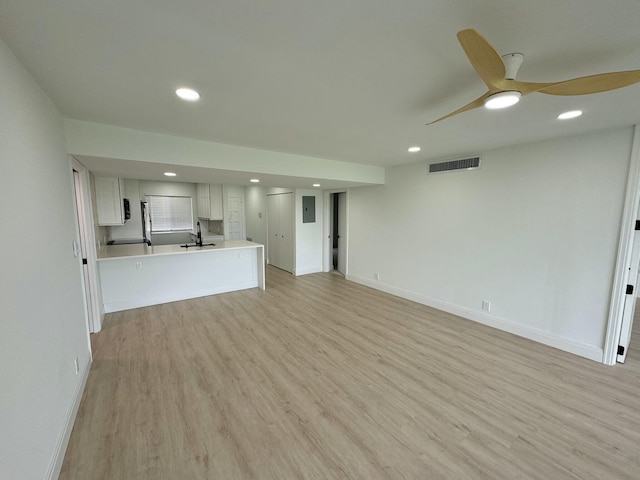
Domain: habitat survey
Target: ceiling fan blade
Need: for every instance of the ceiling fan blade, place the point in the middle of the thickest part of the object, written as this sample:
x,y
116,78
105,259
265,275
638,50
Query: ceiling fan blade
x,y
478,102
593,83
486,61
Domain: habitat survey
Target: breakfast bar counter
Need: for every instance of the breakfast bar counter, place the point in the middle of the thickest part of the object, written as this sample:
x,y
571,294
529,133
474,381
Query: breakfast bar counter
x,y
139,275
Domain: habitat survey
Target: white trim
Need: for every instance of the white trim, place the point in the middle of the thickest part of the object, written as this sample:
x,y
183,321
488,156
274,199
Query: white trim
x,y
584,350
308,270
96,315
632,198
326,231
55,465
327,251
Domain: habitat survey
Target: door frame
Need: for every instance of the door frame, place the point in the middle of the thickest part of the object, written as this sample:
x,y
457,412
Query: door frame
x,y
625,246
243,212
86,222
292,218
327,250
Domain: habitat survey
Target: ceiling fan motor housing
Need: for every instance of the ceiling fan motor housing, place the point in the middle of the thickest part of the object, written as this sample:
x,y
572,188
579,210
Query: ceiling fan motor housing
x,y
512,63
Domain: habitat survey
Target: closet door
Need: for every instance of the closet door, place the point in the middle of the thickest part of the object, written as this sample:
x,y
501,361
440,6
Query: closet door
x,y
280,231
273,228
285,254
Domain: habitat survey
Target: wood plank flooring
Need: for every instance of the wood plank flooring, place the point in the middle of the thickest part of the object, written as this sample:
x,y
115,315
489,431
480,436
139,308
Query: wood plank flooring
x,y
321,378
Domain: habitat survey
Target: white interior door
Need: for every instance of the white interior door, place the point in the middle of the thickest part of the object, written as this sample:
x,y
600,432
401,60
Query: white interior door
x,y
83,246
235,227
630,299
280,231
273,227
342,233
286,232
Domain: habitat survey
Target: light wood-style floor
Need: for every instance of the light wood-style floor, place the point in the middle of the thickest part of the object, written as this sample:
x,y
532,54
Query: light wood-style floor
x,y
321,378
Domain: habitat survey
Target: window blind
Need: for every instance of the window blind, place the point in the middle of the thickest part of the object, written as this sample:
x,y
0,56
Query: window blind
x,y
170,214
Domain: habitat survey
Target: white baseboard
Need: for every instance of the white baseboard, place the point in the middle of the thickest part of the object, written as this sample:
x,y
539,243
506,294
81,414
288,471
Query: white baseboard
x,y
53,472
308,270
547,338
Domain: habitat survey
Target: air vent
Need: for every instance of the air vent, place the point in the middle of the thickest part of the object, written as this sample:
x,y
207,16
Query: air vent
x,y
461,164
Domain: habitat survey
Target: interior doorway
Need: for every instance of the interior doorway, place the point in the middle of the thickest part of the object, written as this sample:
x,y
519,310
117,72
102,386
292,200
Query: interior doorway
x,y
625,281
83,244
86,248
336,245
630,300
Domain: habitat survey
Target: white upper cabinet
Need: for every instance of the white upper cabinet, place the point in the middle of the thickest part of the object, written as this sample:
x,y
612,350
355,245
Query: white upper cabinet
x,y
109,199
209,201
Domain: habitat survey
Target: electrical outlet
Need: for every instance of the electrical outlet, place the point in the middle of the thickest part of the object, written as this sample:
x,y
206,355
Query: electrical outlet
x,y
486,305
77,364
138,265
376,276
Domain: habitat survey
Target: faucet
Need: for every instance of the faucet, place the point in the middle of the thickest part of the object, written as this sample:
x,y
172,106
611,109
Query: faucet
x,y
199,237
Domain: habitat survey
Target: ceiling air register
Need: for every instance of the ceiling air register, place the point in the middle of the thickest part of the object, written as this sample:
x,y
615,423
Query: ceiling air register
x,y
470,163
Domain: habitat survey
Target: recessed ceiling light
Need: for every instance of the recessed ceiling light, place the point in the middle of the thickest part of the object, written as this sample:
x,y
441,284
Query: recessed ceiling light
x,y
316,184
254,180
414,149
570,114
169,174
188,94
502,99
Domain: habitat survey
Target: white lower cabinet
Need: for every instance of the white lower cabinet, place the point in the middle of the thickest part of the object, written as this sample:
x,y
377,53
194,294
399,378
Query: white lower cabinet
x,y
109,200
280,220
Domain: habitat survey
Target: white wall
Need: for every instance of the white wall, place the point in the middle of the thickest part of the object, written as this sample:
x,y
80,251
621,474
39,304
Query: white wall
x,y
178,189
308,235
232,191
534,231
42,317
256,214
93,139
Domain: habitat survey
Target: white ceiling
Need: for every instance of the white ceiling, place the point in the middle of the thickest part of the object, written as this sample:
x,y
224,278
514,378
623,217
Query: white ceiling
x,y
352,80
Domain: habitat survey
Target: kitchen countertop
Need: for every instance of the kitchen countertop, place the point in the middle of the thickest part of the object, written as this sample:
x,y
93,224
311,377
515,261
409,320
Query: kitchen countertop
x,y
110,252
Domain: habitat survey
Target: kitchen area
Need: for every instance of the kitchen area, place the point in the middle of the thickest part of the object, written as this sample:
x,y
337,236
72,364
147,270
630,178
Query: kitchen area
x,y
124,211
164,241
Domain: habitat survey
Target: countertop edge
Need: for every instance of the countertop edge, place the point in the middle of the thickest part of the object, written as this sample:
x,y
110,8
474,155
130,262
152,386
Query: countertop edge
x,y
216,248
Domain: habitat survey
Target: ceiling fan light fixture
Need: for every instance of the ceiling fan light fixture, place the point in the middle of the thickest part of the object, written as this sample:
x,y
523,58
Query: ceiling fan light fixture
x,y
502,99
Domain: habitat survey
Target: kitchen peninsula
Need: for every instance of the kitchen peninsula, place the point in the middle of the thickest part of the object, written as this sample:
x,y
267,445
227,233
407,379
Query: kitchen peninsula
x,y
139,275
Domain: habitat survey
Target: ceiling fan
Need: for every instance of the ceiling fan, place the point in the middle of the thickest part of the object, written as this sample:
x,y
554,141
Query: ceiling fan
x,y
499,74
